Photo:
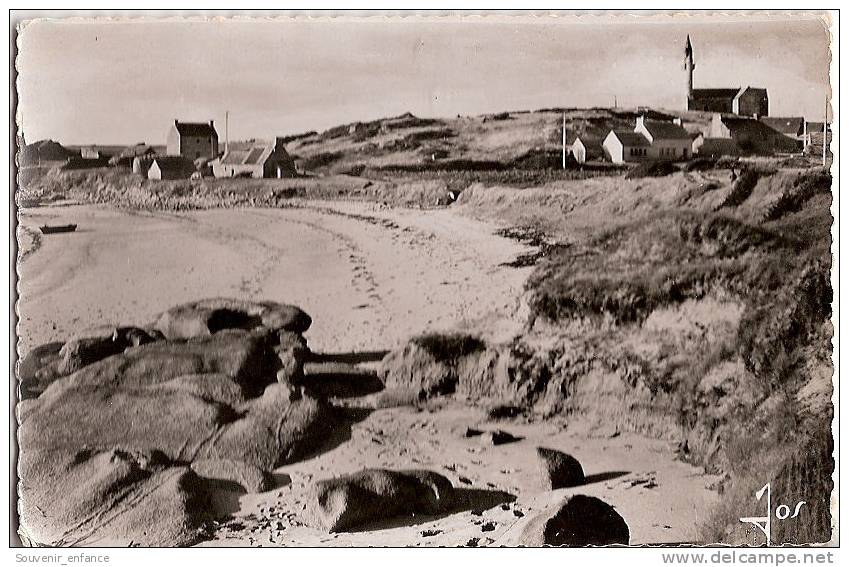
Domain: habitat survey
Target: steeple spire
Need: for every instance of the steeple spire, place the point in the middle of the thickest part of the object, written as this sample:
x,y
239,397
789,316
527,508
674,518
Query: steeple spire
x,y
689,65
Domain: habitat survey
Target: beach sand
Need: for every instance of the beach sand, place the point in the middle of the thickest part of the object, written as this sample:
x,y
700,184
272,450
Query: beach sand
x,y
370,277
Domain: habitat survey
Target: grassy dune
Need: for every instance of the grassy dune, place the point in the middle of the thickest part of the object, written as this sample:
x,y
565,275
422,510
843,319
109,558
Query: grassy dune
x,y
699,316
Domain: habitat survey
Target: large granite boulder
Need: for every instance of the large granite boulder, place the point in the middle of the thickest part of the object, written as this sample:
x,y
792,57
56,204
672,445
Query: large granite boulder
x,y
208,316
347,502
109,497
578,521
558,470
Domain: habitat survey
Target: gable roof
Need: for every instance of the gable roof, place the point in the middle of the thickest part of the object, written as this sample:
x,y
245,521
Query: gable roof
x,y
754,90
631,139
665,130
789,126
255,154
715,93
199,129
588,142
173,163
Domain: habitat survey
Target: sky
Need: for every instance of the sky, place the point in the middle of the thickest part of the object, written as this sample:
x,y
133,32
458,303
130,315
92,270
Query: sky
x,y
121,82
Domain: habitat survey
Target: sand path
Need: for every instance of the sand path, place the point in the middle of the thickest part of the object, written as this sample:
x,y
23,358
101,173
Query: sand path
x,y
370,277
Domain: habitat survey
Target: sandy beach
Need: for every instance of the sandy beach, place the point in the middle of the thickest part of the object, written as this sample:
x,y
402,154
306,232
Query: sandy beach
x,y
370,277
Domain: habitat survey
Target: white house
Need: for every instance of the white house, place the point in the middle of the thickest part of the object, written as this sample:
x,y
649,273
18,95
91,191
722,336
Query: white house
x,y
668,140
651,140
622,146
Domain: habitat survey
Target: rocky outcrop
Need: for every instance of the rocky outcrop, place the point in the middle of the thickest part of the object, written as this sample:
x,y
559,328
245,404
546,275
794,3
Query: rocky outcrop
x,y
38,369
431,364
293,353
249,477
208,316
108,498
578,521
97,344
343,503
558,470
47,363
122,449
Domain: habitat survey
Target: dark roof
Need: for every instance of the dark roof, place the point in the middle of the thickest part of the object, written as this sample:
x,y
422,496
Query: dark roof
x,y
666,130
732,120
234,156
173,163
631,139
789,126
195,128
714,93
755,90
587,140
256,152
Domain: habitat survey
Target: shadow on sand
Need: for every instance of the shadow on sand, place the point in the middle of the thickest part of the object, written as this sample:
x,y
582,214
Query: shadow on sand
x,y
339,433
467,499
339,376
601,477
339,381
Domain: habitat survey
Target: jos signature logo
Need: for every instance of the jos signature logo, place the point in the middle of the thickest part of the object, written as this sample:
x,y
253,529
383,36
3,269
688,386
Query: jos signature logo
x,y
782,512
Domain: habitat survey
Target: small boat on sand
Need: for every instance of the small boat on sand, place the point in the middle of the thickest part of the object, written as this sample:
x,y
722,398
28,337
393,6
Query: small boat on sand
x,y
47,229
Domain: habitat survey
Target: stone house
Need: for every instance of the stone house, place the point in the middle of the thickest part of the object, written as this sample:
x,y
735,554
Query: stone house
x,y
192,140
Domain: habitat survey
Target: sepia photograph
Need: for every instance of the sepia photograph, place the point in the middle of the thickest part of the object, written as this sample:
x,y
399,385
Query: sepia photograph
x,y
412,279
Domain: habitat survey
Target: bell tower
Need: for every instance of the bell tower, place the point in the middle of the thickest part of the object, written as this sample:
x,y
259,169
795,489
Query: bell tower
x,y
689,66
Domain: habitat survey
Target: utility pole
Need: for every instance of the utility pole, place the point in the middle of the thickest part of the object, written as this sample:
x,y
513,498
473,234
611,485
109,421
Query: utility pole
x,y
226,131
564,141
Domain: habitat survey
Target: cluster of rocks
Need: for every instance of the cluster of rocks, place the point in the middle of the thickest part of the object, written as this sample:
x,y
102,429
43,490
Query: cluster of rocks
x,y
125,433
354,501
122,429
